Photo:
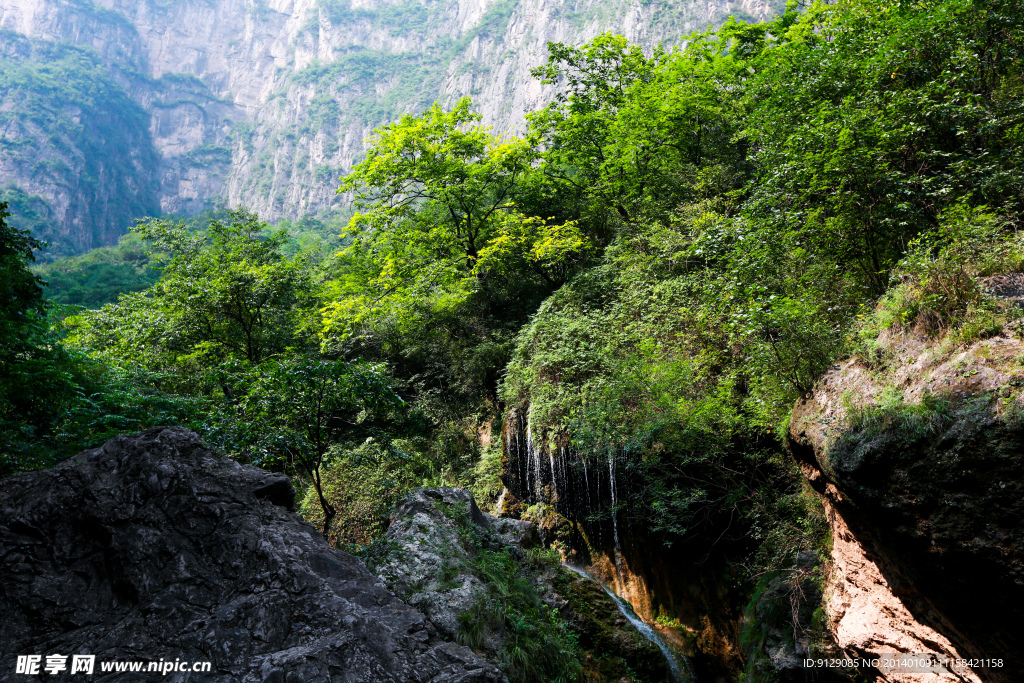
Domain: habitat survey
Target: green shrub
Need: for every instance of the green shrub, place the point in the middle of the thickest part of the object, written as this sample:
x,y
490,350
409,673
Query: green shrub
x,y
537,644
940,271
363,484
892,414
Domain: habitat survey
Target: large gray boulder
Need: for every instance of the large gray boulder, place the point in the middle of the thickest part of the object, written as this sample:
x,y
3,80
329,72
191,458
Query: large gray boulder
x,y
152,547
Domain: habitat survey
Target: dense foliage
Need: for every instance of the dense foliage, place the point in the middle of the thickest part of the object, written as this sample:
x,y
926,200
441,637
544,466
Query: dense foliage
x,y
679,246
99,276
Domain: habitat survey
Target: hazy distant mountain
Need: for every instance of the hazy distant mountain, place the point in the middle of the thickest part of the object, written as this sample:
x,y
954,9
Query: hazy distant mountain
x,y
115,110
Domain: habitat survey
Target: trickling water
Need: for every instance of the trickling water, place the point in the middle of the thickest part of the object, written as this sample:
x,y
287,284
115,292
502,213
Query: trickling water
x,y
615,515
518,452
534,455
501,501
554,477
586,482
678,665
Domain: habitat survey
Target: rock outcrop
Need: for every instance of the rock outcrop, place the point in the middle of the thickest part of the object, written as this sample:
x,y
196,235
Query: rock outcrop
x,y
430,558
427,563
152,547
919,458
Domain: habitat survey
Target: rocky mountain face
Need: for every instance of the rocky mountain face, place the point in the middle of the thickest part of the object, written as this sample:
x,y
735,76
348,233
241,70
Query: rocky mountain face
x,y
264,103
152,548
916,455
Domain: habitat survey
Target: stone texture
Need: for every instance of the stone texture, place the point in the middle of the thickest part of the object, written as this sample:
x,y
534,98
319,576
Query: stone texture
x,y
428,565
153,547
925,502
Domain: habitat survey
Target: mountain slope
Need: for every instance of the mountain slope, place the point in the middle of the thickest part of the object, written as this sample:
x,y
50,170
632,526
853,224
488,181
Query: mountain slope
x,y
265,104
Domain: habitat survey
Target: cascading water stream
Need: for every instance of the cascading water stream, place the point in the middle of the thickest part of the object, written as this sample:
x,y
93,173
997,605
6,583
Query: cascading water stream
x,y
678,665
586,483
533,454
554,476
615,516
566,494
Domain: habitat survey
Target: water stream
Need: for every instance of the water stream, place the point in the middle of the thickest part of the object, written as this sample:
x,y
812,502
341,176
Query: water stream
x,y
678,666
615,515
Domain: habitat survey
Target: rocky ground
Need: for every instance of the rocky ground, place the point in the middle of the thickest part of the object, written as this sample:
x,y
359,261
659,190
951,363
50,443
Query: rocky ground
x,y
428,564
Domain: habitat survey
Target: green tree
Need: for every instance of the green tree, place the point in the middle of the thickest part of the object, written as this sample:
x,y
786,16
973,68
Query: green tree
x,y
21,293
296,410
27,379
867,122
442,254
439,159
578,126
101,275
56,401
227,295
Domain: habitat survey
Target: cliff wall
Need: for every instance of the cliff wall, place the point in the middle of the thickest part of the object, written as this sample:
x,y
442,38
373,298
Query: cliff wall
x,y
265,103
917,457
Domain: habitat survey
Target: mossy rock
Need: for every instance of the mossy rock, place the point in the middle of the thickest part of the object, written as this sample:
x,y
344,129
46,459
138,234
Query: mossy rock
x,y
617,650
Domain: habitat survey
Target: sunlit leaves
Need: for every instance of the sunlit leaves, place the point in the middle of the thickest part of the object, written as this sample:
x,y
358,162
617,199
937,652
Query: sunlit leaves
x,y
533,243
226,295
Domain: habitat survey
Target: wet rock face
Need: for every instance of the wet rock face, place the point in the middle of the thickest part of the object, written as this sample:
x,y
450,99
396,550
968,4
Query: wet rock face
x,y
926,500
153,547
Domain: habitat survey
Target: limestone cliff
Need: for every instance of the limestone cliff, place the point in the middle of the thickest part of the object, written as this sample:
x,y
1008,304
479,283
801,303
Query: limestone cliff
x,y
264,103
917,456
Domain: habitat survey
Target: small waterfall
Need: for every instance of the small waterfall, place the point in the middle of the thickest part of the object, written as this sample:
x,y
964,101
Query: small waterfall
x,y
501,501
516,450
554,476
534,456
586,483
615,515
678,665
583,501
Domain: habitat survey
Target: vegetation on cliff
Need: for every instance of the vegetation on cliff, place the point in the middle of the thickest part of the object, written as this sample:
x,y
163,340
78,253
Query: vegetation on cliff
x,y
680,246
71,131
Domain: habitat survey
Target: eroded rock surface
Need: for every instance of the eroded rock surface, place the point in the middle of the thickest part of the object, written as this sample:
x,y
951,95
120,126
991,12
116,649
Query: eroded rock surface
x,y
153,547
428,563
920,460
429,560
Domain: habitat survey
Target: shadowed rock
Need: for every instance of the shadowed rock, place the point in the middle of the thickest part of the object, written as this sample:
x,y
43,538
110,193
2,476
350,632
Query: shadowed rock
x,y
152,547
924,491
